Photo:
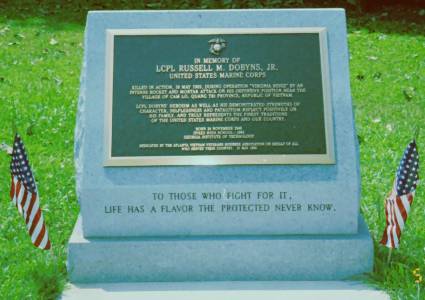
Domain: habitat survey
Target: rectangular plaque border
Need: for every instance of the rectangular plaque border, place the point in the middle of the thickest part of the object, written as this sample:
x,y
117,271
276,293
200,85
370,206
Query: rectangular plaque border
x,y
246,159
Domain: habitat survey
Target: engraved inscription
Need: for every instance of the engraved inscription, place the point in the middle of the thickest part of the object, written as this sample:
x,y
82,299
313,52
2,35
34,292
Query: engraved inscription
x,y
227,202
265,100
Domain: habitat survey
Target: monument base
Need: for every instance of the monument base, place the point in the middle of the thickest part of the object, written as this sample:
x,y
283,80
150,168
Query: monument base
x,y
300,290
214,258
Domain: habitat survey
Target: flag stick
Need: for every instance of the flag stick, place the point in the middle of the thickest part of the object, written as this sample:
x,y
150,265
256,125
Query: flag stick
x,y
52,253
389,256
418,293
417,131
14,127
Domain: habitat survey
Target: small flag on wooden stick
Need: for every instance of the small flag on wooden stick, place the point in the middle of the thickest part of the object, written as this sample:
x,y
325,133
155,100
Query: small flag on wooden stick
x,y
398,202
23,194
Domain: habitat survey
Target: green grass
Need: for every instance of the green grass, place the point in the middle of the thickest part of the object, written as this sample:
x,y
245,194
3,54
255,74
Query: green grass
x,y
40,57
42,78
387,79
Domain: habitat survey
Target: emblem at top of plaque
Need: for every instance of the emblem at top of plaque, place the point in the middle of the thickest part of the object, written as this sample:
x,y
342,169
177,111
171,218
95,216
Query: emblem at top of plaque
x,y
217,45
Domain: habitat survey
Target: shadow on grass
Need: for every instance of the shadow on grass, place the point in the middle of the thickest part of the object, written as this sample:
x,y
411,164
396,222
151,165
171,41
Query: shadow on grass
x,y
50,285
394,274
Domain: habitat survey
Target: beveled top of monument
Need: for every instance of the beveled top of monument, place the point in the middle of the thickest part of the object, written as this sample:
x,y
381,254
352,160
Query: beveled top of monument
x,y
218,122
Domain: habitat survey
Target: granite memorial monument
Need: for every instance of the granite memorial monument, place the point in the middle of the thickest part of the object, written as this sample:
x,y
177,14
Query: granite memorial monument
x,y
217,146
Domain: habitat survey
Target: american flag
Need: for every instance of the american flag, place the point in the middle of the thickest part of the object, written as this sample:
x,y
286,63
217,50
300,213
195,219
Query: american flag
x,y
23,194
397,204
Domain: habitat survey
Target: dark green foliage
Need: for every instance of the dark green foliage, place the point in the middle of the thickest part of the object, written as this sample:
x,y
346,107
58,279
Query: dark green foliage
x,y
76,11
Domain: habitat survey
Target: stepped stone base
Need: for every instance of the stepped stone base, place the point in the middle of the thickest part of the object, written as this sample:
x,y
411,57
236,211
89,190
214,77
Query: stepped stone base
x,y
301,290
213,258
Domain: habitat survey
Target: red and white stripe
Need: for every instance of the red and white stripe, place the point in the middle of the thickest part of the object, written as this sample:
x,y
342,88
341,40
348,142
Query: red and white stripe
x,y
29,207
397,209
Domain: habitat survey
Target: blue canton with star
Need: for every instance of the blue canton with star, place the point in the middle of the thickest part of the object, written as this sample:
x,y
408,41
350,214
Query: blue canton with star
x,y
20,167
408,170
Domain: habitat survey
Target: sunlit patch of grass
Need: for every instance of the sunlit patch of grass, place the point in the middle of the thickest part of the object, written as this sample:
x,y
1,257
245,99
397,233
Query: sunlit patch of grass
x,y
387,76
39,82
